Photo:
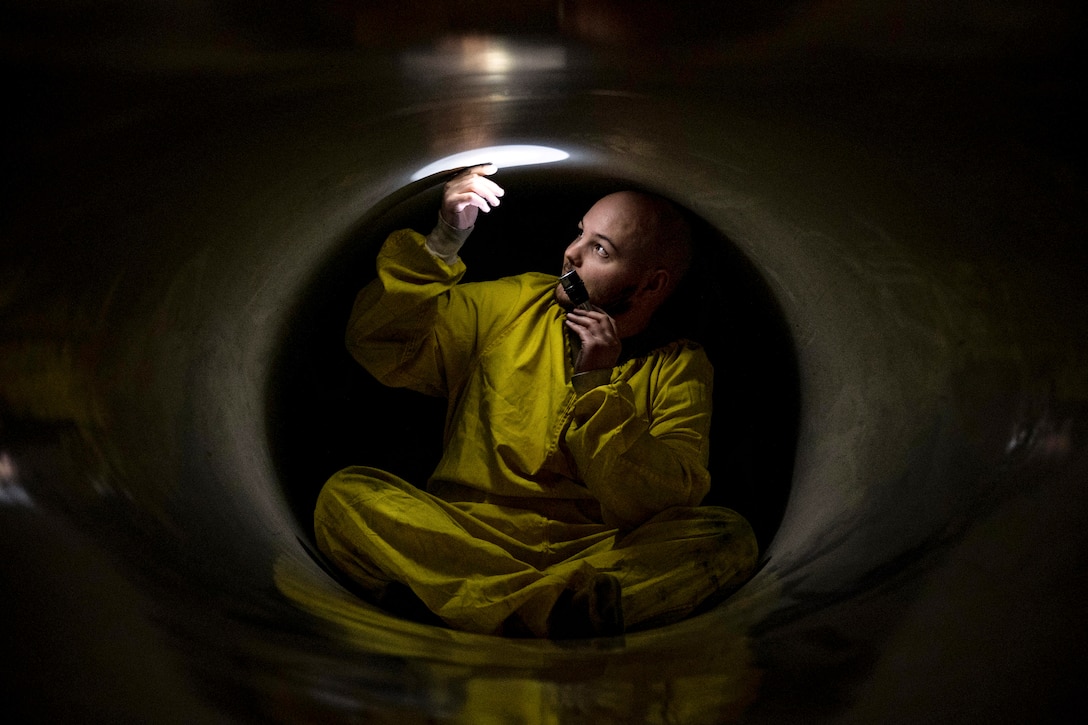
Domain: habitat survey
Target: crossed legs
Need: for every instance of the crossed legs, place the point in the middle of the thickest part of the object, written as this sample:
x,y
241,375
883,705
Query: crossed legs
x,y
480,567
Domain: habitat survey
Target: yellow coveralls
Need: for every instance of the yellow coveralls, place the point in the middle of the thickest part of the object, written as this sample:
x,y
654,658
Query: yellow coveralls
x,y
543,481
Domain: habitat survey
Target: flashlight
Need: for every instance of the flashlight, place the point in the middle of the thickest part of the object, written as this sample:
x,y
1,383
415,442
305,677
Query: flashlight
x,y
576,290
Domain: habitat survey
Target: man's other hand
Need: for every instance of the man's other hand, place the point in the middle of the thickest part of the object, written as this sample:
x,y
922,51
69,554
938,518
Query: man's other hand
x,y
599,338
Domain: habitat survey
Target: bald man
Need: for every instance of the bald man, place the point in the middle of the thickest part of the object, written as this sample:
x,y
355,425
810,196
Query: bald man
x,y
566,502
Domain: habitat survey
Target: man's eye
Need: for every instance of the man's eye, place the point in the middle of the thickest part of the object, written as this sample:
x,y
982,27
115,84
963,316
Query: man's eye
x,y
601,250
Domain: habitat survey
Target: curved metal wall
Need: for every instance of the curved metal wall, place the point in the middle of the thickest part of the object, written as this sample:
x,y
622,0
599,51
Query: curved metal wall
x,y
176,209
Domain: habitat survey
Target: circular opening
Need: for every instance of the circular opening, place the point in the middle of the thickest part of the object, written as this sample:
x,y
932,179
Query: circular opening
x,y
327,413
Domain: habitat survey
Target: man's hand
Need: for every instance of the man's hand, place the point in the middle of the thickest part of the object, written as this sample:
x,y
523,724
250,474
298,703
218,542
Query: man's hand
x,y
600,340
469,193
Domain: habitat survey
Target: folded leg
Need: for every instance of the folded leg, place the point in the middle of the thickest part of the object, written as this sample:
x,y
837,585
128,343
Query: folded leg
x,y
674,562
380,529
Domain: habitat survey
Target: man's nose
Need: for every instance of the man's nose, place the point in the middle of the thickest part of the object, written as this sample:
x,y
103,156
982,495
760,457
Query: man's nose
x,y
574,255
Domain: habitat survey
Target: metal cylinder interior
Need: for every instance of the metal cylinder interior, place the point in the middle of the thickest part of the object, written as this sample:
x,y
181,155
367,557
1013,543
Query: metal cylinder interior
x,y
895,304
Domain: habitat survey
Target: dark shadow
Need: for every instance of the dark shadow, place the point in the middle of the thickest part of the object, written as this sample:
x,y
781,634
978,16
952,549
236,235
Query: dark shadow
x,y
326,412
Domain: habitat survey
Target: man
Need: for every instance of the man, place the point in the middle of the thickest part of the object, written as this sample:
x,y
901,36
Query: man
x,y
566,500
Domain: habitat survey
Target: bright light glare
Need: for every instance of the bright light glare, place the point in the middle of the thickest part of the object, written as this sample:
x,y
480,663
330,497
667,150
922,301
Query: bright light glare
x,y
501,156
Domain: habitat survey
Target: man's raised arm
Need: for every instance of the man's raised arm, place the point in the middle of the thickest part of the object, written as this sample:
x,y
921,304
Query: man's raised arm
x,y
463,198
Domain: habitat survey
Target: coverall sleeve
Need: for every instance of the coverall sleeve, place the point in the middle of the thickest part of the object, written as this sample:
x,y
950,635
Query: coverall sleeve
x,y
636,467
414,326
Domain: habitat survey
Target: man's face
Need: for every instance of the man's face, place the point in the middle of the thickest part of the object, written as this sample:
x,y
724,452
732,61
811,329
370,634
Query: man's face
x,y
607,254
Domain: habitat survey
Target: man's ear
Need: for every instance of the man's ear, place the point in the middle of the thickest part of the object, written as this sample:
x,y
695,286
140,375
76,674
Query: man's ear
x,y
657,284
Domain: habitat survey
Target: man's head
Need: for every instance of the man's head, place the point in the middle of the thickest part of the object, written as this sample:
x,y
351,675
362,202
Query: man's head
x,y
631,252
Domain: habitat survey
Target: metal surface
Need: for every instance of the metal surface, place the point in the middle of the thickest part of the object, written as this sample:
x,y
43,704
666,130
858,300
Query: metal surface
x,y
897,200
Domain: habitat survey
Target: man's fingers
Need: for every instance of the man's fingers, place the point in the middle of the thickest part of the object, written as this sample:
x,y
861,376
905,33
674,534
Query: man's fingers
x,y
490,192
584,315
591,321
475,173
474,200
485,187
476,186
468,193
486,169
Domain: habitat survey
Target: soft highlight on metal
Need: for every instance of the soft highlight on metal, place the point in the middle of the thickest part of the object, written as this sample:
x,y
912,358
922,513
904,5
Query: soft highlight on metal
x,y
504,157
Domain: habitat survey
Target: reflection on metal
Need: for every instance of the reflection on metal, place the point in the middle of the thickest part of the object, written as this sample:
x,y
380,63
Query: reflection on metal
x,y
474,678
504,157
11,492
488,58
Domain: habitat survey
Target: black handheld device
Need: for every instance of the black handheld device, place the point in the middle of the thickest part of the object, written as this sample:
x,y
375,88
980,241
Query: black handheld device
x,y
575,289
